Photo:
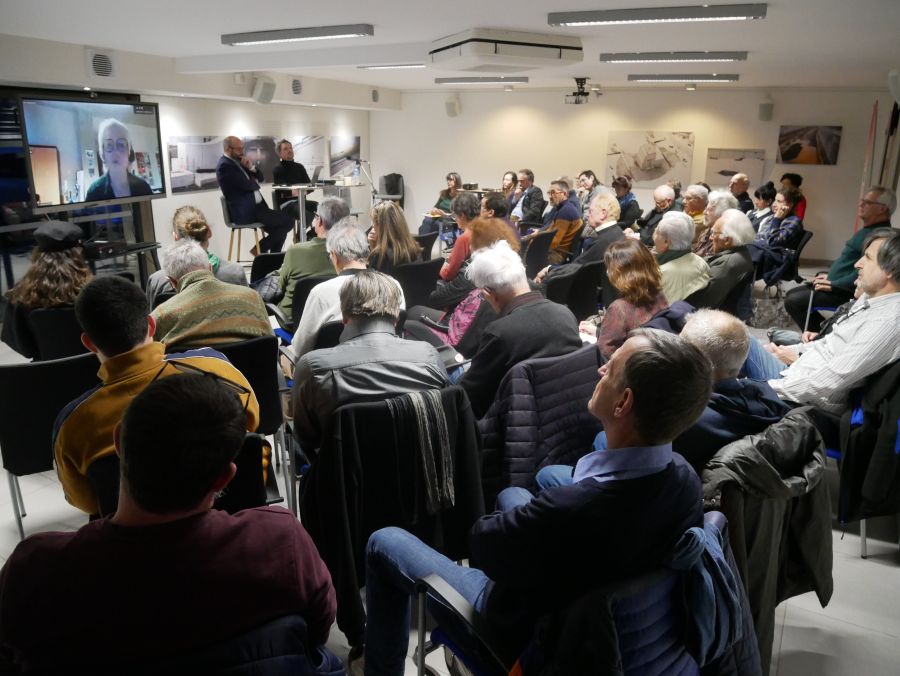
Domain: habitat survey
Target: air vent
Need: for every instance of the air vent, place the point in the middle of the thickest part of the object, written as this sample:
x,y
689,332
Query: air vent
x,y
375,96
296,87
100,63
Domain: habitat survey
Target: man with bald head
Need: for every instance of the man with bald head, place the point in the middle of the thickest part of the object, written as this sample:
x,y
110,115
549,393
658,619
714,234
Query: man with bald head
x,y
738,187
239,180
663,198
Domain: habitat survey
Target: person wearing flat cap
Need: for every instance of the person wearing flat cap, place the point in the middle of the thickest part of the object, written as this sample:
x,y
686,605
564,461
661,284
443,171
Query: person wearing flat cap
x,y
57,274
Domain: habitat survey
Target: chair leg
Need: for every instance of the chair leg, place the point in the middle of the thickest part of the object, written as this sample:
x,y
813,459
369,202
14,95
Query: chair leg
x,y
812,293
256,237
230,243
238,259
15,497
863,551
420,651
290,473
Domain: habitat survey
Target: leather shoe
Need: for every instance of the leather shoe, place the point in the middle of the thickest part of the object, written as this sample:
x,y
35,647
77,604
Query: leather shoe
x,y
253,252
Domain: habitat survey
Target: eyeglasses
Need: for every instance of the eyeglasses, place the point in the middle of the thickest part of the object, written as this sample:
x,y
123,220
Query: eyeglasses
x,y
184,367
869,202
119,144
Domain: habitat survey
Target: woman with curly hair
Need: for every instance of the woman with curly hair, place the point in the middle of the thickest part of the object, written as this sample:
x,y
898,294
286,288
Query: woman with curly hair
x,y
389,239
57,274
190,223
633,270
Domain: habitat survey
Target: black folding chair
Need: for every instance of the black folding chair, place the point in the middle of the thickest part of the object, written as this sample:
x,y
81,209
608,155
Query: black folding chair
x,y
427,244
418,279
57,333
265,263
536,253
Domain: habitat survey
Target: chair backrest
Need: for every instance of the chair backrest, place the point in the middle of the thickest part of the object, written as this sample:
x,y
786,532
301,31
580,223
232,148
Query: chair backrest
x,y
34,394
793,265
418,279
537,251
257,359
226,212
265,263
329,335
584,291
427,244
57,333
302,289
390,186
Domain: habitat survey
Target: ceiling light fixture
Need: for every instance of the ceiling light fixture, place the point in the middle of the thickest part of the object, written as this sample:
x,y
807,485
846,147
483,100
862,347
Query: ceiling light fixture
x,y
673,57
394,66
298,34
659,15
480,80
695,77
507,88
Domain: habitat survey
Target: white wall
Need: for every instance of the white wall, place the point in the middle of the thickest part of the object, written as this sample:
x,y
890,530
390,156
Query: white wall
x,y
196,117
497,131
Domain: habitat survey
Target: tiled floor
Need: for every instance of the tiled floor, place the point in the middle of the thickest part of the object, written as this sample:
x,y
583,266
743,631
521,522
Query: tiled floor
x,y
858,634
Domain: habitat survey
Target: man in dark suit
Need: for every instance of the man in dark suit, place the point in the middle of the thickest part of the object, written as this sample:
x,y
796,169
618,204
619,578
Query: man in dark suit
x,y
528,325
239,181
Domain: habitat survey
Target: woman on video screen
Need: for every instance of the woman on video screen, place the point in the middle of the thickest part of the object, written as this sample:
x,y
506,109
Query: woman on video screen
x,y
117,155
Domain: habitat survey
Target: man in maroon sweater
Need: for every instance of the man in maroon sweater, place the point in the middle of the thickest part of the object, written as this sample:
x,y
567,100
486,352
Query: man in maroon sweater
x,y
166,574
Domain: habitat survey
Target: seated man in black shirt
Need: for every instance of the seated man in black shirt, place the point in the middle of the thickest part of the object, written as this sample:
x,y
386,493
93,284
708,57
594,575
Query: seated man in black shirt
x,y
628,506
289,172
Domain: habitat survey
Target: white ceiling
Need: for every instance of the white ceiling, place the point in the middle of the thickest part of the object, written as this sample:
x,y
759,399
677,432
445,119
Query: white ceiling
x,y
801,43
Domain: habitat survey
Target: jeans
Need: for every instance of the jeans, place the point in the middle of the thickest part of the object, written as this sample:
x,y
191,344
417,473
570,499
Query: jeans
x,y
394,560
762,364
554,475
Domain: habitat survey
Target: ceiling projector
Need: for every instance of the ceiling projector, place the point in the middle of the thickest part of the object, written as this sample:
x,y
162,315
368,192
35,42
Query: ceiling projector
x,y
581,95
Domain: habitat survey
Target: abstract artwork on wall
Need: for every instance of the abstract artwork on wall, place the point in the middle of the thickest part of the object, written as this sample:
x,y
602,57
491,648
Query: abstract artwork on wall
x,y
809,144
723,163
310,151
650,157
344,155
192,162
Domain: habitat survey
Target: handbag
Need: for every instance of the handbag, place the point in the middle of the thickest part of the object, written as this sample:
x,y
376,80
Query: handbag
x,y
269,288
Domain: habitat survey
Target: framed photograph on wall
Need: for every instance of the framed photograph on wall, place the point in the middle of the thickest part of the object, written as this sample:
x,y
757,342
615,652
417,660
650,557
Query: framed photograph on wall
x,y
650,157
809,144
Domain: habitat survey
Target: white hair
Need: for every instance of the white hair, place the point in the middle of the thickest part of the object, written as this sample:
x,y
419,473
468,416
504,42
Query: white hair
x,y
184,256
720,200
678,228
498,268
720,336
664,192
347,241
737,226
698,190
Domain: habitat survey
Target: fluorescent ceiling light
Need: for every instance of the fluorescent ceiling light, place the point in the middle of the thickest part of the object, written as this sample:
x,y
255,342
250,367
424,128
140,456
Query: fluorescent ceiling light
x,y
395,66
673,57
658,15
479,80
298,34
695,77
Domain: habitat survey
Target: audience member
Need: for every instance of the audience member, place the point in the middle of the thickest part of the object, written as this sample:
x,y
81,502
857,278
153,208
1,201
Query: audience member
x,y
763,196
738,187
696,198
310,259
663,196
190,223
392,245
588,188
113,315
632,269
717,202
441,209
495,205
730,264
629,209
57,274
628,505
371,363
289,172
465,208
678,204
564,217
738,406
166,574
836,287
795,181
864,342
602,215
508,188
528,325
239,181
349,252
783,231
205,311
527,199
683,272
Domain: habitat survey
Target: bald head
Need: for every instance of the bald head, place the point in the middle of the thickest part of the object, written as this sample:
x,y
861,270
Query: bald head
x,y
739,184
722,337
233,147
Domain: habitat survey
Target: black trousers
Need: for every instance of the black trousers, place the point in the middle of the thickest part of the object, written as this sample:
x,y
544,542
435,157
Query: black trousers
x,y
796,301
276,225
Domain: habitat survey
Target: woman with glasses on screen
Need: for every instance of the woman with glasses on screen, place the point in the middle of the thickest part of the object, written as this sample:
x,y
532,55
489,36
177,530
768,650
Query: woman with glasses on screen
x,y
117,156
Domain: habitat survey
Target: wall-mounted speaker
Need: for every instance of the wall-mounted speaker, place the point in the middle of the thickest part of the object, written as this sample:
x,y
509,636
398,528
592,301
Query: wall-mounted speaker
x,y
766,109
375,96
263,89
99,62
296,86
451,105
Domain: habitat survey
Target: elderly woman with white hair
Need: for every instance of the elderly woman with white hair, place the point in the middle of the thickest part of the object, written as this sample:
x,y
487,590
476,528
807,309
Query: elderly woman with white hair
x,y
683,271
730,265
117,154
